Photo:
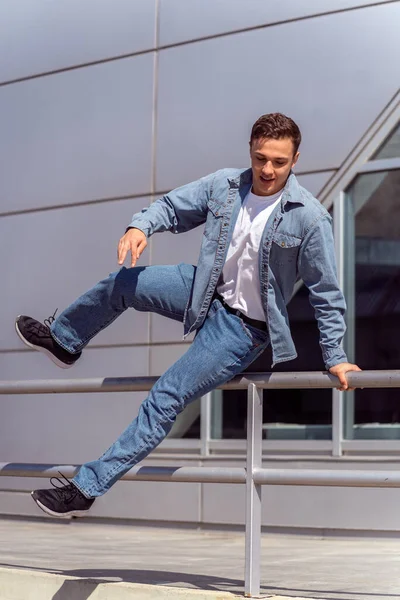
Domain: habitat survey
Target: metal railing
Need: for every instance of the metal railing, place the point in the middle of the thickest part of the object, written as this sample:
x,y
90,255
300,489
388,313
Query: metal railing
x,y
253,475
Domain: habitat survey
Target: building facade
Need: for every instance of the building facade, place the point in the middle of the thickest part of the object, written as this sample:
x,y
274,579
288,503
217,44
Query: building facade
x,y
104,106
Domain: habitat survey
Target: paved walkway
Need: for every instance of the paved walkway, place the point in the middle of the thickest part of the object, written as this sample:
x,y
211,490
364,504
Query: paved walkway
x,y
334,568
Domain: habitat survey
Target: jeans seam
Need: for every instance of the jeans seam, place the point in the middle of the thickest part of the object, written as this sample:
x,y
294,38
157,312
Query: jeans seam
x,y
81,490
122,462
86,339
162,311
208,381
211,316
240,359
198,389
106,324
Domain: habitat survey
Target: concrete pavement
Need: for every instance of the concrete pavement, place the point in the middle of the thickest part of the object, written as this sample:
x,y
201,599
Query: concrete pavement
x,y
186,563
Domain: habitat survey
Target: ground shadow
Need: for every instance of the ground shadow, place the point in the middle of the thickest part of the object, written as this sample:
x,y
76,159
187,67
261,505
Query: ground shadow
x,y
91,578
70,589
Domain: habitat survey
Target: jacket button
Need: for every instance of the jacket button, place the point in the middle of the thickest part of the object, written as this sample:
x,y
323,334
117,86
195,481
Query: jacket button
x,y
283,244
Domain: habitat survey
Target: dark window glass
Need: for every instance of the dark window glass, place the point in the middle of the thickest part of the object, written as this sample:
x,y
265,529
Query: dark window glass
x,y
375,201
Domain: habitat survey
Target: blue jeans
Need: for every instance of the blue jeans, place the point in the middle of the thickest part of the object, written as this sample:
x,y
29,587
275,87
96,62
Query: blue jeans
x,y
222,348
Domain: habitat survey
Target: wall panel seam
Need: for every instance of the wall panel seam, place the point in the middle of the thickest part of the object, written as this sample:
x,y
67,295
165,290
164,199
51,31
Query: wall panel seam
x,y
153,155
106,346
193,41
151,195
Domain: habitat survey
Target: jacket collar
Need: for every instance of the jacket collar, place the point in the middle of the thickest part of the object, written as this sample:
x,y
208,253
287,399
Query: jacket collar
x,y
291,192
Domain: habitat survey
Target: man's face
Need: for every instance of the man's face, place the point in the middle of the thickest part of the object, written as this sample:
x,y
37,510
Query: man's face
x,y
271,161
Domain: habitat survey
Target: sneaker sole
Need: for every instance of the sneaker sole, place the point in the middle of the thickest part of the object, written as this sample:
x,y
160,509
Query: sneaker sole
x,y
55,360
52,513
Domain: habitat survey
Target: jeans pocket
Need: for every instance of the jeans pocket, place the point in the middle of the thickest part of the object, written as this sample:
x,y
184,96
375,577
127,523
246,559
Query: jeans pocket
x,y
257,336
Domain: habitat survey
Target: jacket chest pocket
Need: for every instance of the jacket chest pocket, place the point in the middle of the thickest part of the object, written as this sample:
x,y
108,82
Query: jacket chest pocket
x,y
213,224
284,249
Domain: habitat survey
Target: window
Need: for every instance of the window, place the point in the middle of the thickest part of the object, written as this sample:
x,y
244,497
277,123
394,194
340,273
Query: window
x,y
373,281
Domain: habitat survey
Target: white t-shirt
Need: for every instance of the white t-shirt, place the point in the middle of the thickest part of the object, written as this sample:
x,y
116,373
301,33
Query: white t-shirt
x,y
240,282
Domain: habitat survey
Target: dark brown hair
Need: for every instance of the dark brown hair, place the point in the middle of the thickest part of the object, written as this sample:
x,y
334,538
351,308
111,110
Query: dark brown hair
x,y
276,126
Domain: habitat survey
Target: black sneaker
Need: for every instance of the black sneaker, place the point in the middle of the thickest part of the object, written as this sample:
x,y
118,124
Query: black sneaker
x,y
38,336
64,501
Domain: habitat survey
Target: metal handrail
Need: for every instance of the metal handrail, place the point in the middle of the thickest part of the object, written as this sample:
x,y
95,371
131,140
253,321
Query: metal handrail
x,y
293,380
254,476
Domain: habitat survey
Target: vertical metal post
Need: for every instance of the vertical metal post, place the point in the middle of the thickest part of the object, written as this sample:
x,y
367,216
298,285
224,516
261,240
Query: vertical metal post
x,y
253,492
205,424
337,397
337,422
344,231
349,249
216,414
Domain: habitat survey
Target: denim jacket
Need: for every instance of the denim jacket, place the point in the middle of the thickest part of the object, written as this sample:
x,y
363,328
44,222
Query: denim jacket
x,y
297,242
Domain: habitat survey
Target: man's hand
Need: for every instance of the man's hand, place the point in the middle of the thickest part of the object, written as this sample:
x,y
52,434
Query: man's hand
x,y
340,371
134,241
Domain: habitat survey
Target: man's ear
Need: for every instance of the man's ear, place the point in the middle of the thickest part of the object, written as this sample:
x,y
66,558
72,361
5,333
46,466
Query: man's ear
x,y
295,159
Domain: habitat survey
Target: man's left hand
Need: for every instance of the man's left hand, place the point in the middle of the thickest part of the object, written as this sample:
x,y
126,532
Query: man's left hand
x,y
340,371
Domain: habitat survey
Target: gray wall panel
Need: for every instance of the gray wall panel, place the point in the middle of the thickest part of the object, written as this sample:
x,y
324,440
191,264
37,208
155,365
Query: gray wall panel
x,y
224,503
67,428
212,17
38,36
171,249
211,92
17,503
151,500
336,508
76,136
307,506
130,500
283,506
52,257
95,362
165,330
162,357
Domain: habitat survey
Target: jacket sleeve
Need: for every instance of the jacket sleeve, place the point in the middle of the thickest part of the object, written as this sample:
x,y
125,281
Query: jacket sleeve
x,y
180,210
317,268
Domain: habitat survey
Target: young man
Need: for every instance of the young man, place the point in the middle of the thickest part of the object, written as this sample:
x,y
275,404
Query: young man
x,y
262,232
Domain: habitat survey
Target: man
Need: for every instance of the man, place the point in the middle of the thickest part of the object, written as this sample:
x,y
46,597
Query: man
x,y
262,232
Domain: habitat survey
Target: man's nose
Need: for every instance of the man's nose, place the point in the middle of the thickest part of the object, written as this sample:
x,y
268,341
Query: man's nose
x,y
267,169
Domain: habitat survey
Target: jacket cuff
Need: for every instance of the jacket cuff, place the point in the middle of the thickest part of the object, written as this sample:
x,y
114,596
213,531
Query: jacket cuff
x,y
142,226
333,357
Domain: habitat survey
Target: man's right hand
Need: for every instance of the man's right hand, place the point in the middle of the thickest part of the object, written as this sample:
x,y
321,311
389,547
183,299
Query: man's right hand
x,y
134,241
